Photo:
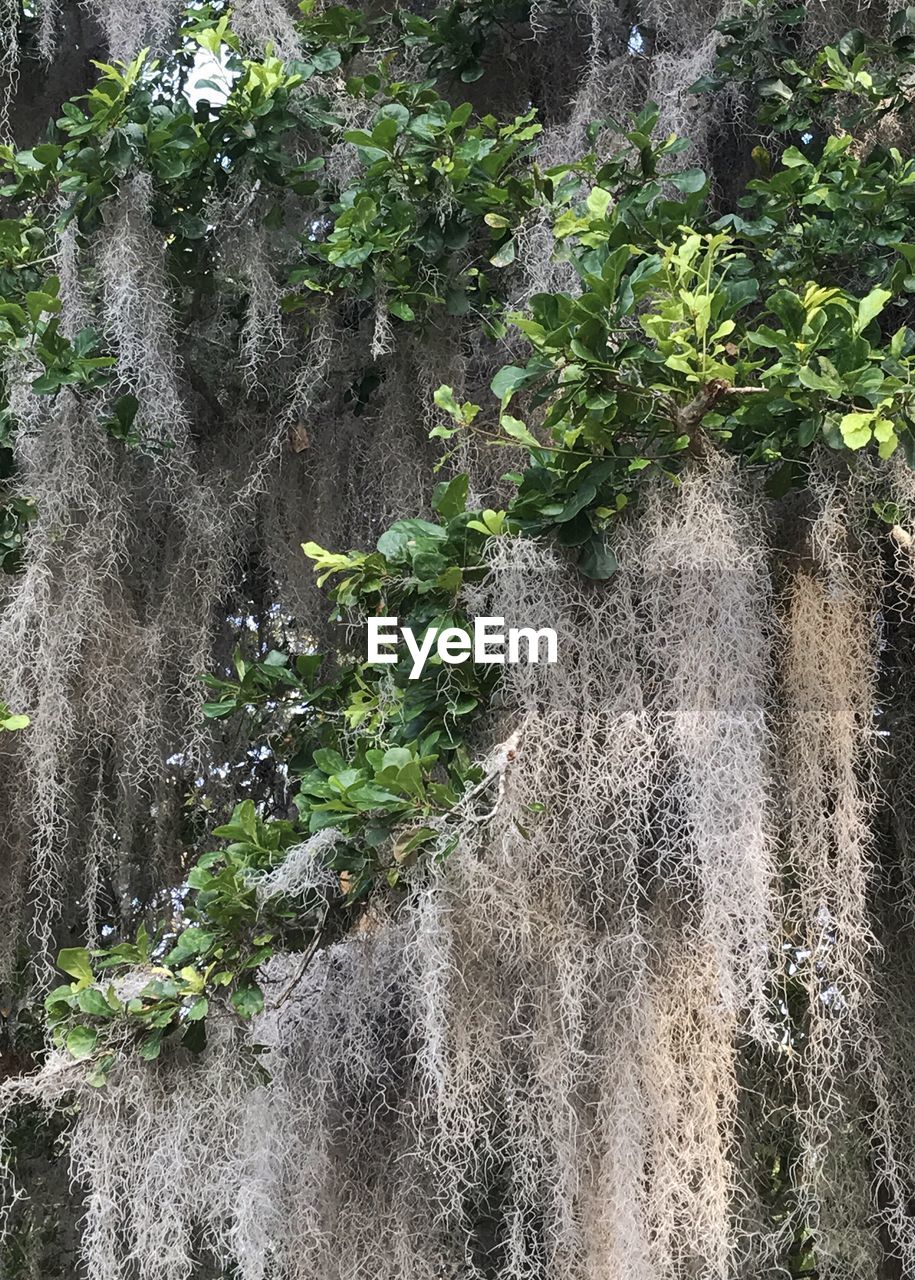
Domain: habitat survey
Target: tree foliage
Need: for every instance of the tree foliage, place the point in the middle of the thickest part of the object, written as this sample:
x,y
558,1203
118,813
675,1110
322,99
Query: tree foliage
x,y
766,334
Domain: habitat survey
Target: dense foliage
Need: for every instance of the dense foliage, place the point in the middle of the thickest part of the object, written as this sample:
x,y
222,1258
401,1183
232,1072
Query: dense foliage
x,y
688,333
692,333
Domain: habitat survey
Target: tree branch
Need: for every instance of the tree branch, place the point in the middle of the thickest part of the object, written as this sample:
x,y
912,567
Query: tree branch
x,y
689,417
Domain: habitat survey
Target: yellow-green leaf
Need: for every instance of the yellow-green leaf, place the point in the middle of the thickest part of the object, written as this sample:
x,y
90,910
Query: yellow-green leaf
x,y
871,306
518,430
856,428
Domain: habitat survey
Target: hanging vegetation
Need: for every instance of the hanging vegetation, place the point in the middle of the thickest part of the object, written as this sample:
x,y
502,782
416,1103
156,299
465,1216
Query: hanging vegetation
x,y
590,323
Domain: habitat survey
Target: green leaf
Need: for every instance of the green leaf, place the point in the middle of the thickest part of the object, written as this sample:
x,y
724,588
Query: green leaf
x,y
410,841
46,383
807,431
830,383
38,304
598,202
405,536
76,962
150,1048
81,1041
518,430
195,1036
871,306
689,181
245,816
583,496
504,255
509,379
215,710
449,498
198,1009
473,71
856,429
705,84
46,153
248,1001
98,1076
326,59
401,310
444,398
775,89
396,112
59,1001
492,523
597,560
191,942
92,1001
329,762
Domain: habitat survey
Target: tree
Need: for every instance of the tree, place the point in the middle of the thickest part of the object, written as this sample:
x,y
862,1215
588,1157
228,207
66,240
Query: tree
x,y
592,319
